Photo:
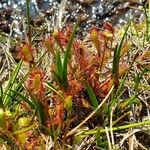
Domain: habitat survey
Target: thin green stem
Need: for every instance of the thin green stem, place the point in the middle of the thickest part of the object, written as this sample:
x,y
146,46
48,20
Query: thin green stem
x,y
134,125
120,118
25,130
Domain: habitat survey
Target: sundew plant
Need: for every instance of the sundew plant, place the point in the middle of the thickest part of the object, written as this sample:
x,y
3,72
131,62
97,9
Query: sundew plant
x,y
64,92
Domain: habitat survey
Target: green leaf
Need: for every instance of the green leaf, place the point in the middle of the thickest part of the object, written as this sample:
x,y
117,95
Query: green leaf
x,y
24,98
19,85
50,89
38,106
1,97
115,61
77,139
132,100
122,40
40,112
116,57
67,54
51,85
59,65
11,84
91,95
34,104
122,83
138,79
3,123
120,88
69,103
98,138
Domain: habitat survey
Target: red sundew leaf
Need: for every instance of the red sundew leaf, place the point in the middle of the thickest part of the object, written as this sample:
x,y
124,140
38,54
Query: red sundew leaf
x,y
94,33
35,82
108,26
77,44
49,44
26,53
75,87
108,35
32,142
103,41
63,39
106,86
63,36
68,30
100,40
122,70
81,54
59,114
79,49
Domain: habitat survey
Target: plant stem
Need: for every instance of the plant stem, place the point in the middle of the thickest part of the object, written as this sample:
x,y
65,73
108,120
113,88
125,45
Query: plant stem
x,y
28,20
134,125
25,130
124,115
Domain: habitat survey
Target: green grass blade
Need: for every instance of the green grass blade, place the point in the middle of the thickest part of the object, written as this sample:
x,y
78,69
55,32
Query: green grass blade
x,y
24,98
91,95
52,88
11,83
16,101
121,85
19,85
116,57
59,65
122,40
34,104
1,97
51,85
115,61
40,112
38,107
98,138
138,79
128,102
67,54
